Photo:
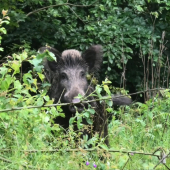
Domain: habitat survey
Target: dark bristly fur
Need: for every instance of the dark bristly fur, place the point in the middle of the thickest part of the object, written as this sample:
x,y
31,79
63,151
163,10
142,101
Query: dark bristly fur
x,y
68,79
96,53
70,62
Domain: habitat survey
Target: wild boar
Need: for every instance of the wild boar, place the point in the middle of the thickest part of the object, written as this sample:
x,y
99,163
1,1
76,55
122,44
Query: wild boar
x,y
67,76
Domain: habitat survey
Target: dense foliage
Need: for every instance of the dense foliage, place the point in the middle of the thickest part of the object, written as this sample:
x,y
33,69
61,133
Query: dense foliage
x,y
134,36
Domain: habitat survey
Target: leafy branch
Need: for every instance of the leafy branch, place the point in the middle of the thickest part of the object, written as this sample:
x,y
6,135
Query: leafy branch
x,y
88,101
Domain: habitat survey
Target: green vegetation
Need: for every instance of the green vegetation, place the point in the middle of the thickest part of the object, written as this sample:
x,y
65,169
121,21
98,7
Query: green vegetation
x,y
134,35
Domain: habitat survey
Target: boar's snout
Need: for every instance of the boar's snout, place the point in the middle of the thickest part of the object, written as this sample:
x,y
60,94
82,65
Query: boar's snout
x,y
70,97
79,107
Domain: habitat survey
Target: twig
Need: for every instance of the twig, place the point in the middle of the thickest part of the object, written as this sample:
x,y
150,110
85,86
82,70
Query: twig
x,y
76,14
69,4
126,162
166,166
60,96
89,101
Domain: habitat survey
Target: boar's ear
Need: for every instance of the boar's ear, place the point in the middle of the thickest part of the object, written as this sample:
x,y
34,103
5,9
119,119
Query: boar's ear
x,y
50,66
93,57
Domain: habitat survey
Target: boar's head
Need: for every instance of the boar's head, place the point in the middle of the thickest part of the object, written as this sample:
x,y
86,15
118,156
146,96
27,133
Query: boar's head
x,y
67,74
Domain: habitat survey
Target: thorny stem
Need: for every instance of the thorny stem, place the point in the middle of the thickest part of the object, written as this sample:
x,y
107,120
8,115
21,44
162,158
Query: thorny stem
x,y
88,101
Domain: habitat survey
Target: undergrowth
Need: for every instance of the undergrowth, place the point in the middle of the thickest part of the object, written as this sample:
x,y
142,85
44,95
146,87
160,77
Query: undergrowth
x,y
139,134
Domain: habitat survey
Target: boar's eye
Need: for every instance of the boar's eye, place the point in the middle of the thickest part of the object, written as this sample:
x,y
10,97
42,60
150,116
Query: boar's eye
x,y
63,76
82,74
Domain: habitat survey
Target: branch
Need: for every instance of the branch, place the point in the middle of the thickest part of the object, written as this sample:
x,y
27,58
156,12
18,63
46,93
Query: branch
x,y
88,150
126,162
52,105
76,14
69,4
88,101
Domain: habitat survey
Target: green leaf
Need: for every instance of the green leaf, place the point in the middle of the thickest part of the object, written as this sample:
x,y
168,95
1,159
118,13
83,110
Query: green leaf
x,y
106,88
17,85
46,119
47,98
51,57
62,115
86,114
39,102
109,103
41,76
139,8
16,67
92,111
4,116
27,78
89,121
47,54
6,83
24,56
37,62
30,101
103,146
71,120
6,22
3,71
79,123
21,56
98,90
3,30
110,110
